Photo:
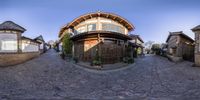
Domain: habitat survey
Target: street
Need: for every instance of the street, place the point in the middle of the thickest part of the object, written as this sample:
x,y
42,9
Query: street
x,y
50,77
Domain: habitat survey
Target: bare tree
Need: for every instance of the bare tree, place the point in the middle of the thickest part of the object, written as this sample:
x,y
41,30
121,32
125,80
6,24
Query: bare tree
x,y
148,44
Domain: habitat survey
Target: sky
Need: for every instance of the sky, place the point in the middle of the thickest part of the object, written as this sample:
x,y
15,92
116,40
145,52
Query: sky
x,y
153,19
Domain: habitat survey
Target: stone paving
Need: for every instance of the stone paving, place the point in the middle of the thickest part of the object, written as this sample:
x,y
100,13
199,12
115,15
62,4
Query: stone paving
x,y
150,78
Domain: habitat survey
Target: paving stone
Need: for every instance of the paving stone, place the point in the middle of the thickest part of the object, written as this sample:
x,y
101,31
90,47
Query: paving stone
x,y
150,78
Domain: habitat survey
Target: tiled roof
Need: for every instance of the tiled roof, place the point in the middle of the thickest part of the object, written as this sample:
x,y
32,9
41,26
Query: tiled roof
x,y
179,33
9,25
27,38
39,38
136,36
196,28
107,15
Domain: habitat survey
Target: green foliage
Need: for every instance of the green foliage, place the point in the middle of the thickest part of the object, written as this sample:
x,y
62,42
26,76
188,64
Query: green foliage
x,y
156,48
67,44
139,51
128,51
97,60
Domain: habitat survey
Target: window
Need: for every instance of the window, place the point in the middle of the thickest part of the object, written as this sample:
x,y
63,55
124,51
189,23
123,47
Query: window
x,y
91,27
81,29
111,27
8,42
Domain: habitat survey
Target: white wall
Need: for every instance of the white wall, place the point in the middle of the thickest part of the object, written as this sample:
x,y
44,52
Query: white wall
x,y
28,46
42,46
8,42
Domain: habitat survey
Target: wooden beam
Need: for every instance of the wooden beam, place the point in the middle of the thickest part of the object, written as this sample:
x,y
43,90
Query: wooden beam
x,y
120,21
84,18
87,39
90,16
99,14
77,21
107,16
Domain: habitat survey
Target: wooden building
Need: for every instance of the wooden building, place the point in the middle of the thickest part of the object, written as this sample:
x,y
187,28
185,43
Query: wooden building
x,y
137,45
196,30
15,48
180,46
99,33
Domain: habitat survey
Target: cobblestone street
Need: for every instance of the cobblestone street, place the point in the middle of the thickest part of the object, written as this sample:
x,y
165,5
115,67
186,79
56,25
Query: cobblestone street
x,y
50,77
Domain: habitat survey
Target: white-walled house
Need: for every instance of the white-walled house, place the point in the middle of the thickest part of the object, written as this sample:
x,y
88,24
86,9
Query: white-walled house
x,y
29,45
42,46
14,48
8,41
10,35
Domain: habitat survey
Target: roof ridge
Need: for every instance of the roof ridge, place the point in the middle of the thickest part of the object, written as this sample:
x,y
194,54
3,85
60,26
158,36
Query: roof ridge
x,y
10,25
196,28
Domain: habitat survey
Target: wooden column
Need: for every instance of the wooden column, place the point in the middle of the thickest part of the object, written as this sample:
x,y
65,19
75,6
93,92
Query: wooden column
x,y
196,31
98,23
99,47
19,42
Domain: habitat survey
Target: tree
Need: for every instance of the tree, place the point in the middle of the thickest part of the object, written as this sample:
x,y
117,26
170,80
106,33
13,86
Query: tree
x,y
67,44
156,48
148,46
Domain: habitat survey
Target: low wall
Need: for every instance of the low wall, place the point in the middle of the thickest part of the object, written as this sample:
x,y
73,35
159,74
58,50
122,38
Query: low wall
x,y
174,59
16,58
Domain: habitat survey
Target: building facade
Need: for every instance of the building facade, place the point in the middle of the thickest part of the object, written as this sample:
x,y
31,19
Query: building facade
x,y
180,45
137,45
14,48
196,30
43,46
99,33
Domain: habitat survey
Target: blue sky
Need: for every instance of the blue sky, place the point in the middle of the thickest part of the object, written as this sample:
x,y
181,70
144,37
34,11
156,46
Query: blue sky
x,y
153,19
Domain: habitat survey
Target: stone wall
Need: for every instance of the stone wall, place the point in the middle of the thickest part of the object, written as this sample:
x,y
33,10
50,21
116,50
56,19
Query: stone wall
x,y
8,59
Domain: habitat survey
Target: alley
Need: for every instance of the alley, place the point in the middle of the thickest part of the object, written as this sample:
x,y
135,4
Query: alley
x,y
50,77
